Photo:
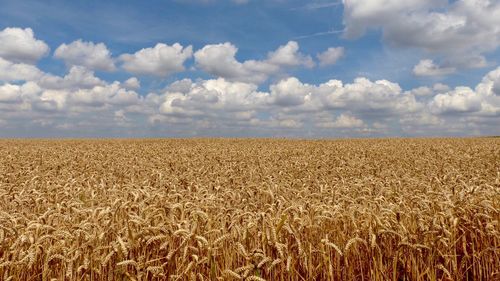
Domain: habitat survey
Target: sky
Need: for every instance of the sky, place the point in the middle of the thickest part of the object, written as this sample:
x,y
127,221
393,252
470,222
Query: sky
x,y
249,68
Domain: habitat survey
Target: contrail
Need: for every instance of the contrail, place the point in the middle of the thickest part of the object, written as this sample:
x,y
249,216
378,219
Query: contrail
x,y
314,6
319,34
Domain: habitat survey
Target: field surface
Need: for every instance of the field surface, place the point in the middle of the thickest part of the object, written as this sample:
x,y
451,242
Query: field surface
x,y
223,209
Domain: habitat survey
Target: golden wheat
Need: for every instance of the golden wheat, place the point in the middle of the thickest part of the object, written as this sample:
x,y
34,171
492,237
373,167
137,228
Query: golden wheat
x,y
213,209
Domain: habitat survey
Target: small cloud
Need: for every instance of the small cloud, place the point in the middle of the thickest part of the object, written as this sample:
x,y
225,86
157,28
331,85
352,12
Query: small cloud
x,y
161,60
460,100
343,121
330,56
20,45
429,68
132,83
220,60
92,56
10,71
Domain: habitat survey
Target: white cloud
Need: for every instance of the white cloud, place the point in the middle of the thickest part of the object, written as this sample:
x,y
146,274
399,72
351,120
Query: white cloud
x,y
17,98
429,68
289,123
220,60
343,121
78,78
290,92
483,101
440,87
10,71
490,85
423,123
20,46
132,83
182,86
289,104
10,93
111,94
161,60
381,97
462,99
289,55
215,96
422,92
361,15
233,103
330,56
75,95
52,100
92,56
461,31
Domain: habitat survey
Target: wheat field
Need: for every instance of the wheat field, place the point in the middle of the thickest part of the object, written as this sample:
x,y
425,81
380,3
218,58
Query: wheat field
x,y
250,209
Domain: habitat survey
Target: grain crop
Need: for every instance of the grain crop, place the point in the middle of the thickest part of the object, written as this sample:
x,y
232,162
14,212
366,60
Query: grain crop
x,y
250,209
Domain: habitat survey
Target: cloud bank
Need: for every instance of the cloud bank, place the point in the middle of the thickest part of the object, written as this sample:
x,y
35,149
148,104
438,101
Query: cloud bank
x,y
239,98
459,32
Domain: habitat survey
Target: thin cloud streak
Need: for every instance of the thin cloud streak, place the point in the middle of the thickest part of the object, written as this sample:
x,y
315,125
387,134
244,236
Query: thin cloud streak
x,y
319,34
315,6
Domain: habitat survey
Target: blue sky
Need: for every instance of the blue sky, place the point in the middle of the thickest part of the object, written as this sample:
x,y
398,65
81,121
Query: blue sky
x,y
271,68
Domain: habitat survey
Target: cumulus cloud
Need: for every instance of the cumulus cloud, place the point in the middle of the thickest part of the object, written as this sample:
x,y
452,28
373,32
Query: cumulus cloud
x,y
10,93
422,92
88,54
344,121
461,31
232,103
77,96
289,104
78,77
429,68
361,15
330,56
289,55
220,60
109,94
20,45
290,92
462,99
51,100
132,83
483,101
210,97
10,71
289,107
161,60
368,97
17,99
440,87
